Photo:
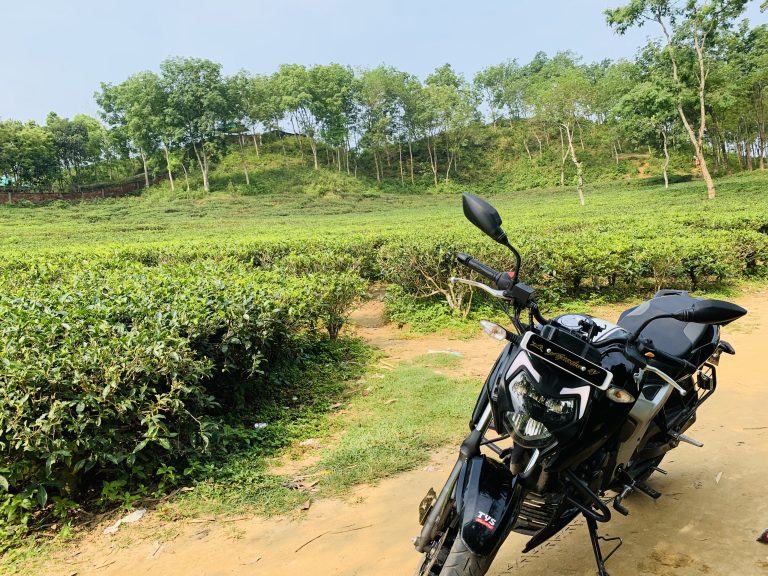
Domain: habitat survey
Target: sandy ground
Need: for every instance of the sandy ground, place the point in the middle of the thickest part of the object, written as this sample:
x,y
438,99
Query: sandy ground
x,y
714,506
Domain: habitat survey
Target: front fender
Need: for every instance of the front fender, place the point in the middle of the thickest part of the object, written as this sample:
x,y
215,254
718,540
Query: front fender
x,y
488,501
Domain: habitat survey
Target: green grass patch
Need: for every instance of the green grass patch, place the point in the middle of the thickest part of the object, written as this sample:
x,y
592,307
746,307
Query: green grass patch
x,y
231,480
403,414
408,412
438,360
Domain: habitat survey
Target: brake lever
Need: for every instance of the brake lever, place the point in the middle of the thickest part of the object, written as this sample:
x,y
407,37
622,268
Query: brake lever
x,y
484,287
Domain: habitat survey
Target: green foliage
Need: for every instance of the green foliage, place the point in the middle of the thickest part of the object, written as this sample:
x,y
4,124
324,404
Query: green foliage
x,y
115,373
26,154
125,360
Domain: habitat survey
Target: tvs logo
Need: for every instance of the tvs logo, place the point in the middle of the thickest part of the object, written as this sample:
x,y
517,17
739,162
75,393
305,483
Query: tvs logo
x,y
488,521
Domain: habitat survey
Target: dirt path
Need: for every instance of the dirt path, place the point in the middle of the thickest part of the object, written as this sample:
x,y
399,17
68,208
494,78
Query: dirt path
x,y
715,500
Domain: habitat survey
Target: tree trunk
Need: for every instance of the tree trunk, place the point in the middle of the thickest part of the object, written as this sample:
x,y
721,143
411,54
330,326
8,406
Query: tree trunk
x,y
313,146
739,155
707,178
757,102
376,162
400,151
255,144
666,158
615,153
432,159
563,156
346,155
410,154
144,163
525,143
242,159
579,166
724,156
186,175
298,139
697,142
168,165
202,160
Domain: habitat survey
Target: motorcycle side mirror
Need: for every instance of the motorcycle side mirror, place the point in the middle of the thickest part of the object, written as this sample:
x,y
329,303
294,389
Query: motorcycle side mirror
x,y
484,216
710,312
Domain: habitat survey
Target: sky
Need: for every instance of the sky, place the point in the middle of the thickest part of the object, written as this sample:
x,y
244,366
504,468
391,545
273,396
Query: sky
x,y
56,53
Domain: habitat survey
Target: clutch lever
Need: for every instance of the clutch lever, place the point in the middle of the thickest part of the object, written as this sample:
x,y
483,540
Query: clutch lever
x,y
484,287
666,377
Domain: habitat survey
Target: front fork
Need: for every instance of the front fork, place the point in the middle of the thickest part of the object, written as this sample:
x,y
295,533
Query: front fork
x,y
438,514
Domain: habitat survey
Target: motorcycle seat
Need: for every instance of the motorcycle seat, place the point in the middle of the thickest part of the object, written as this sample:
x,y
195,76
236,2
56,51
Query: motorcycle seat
x,y
667,334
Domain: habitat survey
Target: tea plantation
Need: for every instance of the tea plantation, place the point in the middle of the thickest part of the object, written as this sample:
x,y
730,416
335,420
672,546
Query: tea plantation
x,y
136,333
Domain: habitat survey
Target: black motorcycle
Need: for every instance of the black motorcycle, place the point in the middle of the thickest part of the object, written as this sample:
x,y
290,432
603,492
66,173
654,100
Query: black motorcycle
x,y
574,408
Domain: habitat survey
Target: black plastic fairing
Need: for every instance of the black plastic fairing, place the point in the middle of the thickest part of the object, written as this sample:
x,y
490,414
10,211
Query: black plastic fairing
x,y
491,381
488,498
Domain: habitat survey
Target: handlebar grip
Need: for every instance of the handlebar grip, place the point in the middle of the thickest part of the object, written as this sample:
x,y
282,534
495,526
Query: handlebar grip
x,y
503,280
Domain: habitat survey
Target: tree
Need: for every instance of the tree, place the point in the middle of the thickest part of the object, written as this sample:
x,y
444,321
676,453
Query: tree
x,y
263,107
137,108
646,112
70,144
451,108
27,156
693,27
560,95
746,58
293,84
197,110
610,82
238,89
379,96
333,91
412,103
499,86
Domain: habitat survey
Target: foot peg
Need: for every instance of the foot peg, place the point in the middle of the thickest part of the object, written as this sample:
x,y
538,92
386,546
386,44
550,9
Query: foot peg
x,y
617,501
686,439
647,490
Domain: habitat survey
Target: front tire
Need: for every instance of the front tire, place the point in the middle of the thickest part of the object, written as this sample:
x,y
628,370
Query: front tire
x,y
461,561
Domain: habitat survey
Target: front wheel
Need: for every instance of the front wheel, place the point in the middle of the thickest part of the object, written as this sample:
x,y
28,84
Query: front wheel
x,y
450,557
461,561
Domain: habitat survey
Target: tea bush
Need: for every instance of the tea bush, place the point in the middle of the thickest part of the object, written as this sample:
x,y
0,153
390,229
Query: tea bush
x,y
114,373
152,324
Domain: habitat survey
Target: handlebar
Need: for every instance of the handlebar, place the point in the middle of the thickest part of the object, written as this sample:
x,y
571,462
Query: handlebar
x,y
503,280
680,363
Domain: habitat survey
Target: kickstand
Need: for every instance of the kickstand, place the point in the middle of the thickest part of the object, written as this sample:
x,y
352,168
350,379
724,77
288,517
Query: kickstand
x,y
595,539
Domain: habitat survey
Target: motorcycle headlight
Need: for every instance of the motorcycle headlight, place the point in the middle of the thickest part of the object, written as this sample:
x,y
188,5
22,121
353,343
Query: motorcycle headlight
x,y
534,414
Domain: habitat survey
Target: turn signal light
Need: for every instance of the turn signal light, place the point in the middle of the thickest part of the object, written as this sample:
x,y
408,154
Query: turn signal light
x,y
620,396
493,330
